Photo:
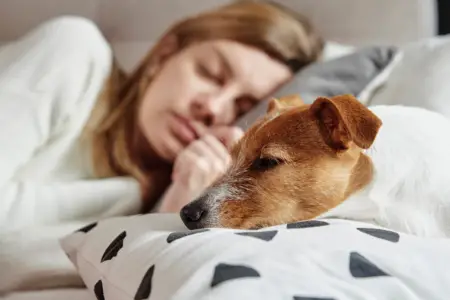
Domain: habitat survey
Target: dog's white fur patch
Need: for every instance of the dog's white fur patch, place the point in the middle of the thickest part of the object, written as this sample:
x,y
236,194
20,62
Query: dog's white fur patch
x,y
410,191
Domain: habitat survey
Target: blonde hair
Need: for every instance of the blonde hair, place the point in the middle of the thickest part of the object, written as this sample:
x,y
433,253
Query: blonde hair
x,y
284,35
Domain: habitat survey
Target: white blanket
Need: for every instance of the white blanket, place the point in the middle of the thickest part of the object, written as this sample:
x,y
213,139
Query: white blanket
x,y
418,77
142,258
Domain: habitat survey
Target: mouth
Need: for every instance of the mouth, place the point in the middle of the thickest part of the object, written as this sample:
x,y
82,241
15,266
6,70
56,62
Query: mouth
x,y
183,129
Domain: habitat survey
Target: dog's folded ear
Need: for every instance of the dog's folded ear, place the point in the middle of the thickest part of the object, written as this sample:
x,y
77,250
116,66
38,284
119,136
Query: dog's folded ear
x,y
343,119
277,105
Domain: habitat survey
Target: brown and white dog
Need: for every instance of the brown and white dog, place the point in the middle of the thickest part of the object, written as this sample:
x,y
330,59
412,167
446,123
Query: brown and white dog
x,y
386,165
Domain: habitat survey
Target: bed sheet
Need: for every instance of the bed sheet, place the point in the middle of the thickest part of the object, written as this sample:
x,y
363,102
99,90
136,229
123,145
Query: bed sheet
x,y
56,294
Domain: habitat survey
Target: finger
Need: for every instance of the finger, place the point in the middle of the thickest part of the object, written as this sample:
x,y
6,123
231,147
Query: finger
x,y
216,154
185,158
184,166
210,170
228,135
206,164
234,135
218,148
202,149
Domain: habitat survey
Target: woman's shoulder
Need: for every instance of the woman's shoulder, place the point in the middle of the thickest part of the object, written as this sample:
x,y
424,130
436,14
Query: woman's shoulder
x,y
64,62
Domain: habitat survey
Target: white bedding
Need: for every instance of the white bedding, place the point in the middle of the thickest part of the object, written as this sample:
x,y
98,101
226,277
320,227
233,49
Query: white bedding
x,y
418,76
57,294
145,257
316,264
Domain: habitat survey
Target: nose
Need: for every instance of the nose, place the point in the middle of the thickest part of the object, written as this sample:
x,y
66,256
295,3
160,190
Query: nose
x,y
214,110
207,111
192,214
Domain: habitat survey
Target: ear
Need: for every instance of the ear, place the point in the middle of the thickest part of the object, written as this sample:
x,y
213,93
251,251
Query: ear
x,y
343,119
276,105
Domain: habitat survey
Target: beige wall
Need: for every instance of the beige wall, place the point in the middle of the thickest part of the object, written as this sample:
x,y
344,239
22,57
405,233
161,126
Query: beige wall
x,y
132,25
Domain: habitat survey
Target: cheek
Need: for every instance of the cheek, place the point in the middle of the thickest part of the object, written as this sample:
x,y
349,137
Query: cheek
x,y
146,114
181,80
238,213
170,85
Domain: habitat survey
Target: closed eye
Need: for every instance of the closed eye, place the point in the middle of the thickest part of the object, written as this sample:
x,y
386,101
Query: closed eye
x,y
265,163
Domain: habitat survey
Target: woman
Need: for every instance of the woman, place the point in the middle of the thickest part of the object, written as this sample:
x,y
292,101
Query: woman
x,y
80,140
76,129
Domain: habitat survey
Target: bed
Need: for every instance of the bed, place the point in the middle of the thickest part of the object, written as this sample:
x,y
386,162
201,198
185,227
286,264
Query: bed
x,y
363,56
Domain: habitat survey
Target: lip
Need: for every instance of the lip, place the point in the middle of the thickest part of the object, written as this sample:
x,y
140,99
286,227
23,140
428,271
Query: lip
x,y
183,129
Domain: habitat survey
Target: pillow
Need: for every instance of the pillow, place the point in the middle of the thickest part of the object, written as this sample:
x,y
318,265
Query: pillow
x,y
155,257
348,74
419,77
332,50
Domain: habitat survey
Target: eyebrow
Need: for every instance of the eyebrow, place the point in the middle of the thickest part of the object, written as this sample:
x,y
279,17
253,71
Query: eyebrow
x,y
273,150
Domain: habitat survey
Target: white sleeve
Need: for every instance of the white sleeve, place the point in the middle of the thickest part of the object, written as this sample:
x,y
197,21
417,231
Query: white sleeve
x,y
46,78
28,203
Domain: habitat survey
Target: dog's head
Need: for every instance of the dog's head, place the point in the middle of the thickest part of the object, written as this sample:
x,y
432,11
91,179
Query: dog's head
x,y
296,163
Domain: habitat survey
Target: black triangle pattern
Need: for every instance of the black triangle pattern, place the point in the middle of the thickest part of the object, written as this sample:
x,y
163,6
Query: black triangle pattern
x,y
306,224
178,235
225,272
145,287
98,290
87,228
267,235
361,267
114,247
387,235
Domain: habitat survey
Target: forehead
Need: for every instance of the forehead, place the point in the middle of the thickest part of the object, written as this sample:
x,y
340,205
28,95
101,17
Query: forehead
x,y
292,128
246,58
252,68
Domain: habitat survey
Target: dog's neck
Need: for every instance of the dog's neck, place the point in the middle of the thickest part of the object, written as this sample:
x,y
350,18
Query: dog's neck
x,y
357,204
362,175
385,202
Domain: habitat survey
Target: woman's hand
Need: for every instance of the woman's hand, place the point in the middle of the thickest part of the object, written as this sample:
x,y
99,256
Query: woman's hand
x,y
198,166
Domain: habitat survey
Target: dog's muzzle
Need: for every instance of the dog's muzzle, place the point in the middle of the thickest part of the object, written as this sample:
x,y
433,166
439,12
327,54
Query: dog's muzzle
x,y
195,213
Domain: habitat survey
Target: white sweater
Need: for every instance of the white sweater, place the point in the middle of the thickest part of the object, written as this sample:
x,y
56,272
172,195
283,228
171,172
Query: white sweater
x,y
49,82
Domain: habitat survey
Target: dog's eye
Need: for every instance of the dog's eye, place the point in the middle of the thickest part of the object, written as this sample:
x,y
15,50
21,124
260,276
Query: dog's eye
x,y
264,163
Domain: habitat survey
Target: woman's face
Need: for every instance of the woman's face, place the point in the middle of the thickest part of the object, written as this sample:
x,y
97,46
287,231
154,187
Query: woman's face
x,y
203,88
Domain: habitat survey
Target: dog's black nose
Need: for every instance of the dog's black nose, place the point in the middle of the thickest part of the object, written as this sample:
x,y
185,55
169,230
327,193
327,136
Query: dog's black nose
x,y
192,214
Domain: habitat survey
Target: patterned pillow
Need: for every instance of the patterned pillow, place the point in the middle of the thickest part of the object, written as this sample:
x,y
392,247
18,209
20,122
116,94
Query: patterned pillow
x,y
155,257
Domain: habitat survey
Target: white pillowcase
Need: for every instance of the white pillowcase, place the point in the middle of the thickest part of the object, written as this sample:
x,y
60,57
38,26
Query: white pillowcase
x,y
333,50
154,257
419,76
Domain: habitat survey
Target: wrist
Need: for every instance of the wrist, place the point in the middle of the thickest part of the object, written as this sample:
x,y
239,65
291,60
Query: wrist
x,y
176,196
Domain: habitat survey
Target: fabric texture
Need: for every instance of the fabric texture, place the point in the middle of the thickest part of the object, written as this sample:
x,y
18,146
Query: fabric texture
x,y
49,82
51,294
155,257
419,77
347,74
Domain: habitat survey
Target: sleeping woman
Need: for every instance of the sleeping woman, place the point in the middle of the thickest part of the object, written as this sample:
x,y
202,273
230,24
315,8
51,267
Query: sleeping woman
x,y
81,140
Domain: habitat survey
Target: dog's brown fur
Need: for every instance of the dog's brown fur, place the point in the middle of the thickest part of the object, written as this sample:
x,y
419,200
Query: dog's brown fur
x,y
319,150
